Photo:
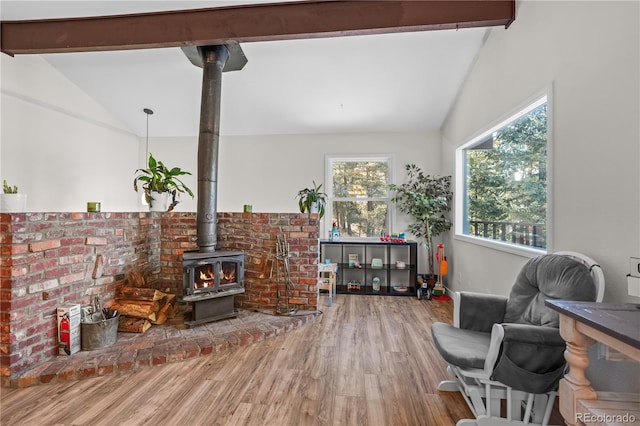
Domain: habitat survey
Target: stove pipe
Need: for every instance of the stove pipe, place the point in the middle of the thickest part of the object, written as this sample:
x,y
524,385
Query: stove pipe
x,y
214,59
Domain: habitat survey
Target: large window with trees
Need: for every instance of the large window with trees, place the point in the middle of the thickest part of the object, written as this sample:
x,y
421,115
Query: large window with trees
x,y
359,201
504,193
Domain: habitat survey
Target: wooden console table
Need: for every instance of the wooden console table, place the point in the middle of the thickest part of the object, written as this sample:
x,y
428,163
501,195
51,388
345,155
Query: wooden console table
x,y
615,325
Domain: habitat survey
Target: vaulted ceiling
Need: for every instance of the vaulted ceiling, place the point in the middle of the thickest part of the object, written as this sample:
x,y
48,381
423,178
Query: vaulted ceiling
x,y
393,82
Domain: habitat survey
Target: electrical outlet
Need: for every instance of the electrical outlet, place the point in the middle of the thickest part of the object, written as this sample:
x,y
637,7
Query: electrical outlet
x,y
633,278
634,266
633,286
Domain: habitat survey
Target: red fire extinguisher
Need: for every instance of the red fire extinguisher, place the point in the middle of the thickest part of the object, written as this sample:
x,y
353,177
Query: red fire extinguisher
x,y
65,336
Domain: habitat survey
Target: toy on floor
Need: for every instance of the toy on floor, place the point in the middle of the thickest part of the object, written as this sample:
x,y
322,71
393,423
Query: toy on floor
x,y
427,290
423,288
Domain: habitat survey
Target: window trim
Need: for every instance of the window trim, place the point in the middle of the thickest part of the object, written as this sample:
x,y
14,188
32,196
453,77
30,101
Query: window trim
x,y
532,102
328,185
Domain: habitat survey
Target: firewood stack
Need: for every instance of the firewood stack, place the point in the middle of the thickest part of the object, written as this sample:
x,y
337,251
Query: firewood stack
x,y
140,307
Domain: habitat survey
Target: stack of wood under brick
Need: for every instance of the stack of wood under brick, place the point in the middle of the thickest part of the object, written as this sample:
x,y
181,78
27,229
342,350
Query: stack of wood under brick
x,y
140,307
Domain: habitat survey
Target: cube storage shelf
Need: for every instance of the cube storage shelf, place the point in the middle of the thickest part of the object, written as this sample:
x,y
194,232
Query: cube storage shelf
x,y
370,267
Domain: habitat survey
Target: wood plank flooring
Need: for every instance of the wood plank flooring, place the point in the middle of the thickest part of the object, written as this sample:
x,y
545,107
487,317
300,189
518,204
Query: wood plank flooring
x,y
367,360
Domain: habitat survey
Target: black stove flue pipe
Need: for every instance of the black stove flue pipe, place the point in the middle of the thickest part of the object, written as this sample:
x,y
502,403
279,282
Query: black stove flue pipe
x,y
214,59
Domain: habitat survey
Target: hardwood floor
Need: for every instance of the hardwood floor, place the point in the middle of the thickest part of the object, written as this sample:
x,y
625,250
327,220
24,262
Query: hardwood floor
x,y
367,360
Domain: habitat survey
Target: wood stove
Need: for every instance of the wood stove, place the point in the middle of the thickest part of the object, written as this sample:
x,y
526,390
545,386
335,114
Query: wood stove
x,y
208,279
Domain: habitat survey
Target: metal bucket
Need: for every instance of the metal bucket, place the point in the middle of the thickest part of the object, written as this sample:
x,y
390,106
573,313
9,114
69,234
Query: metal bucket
x,y
99,334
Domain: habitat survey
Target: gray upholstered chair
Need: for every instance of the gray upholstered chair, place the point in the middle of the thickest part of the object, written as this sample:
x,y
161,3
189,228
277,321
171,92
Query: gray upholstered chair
x,y
506,355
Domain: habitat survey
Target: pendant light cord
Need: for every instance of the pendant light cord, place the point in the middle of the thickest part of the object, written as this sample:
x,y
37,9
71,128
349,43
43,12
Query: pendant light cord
x,y
148,112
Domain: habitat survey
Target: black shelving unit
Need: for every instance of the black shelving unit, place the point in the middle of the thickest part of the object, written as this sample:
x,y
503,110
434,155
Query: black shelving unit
x,y
357,270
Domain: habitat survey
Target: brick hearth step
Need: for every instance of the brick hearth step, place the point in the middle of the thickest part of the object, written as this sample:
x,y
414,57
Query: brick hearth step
x,y
160,345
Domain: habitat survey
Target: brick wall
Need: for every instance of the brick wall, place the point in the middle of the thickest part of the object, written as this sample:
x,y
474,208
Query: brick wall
x,y
49,259
256,235
178,236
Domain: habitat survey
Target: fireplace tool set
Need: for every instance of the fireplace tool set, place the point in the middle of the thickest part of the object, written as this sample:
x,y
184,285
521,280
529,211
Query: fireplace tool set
x,y
283,275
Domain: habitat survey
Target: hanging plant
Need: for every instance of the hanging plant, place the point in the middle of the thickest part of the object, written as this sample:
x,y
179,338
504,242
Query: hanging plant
x,y
159,178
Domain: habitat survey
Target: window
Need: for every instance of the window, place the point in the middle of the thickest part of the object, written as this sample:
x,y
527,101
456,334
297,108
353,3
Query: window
x,y
359,201
504,181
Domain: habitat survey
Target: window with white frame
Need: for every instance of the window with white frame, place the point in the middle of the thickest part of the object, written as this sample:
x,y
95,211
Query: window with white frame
x,y
503,180
359,202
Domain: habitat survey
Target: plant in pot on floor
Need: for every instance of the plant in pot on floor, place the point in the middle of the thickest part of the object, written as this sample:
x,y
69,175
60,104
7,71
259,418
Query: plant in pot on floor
x,y
426,198
11,201
159,183
312,200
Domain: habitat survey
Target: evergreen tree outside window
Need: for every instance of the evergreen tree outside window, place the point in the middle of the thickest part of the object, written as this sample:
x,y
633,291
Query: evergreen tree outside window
x,y
359,201
504,194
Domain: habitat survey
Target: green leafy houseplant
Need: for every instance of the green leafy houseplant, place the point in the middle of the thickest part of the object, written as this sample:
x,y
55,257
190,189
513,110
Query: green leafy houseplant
x,y
159,178
9,189
425,198
308,197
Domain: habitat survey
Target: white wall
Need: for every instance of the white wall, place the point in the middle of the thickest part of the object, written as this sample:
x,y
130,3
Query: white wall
x,y
62,149
589,52
59,146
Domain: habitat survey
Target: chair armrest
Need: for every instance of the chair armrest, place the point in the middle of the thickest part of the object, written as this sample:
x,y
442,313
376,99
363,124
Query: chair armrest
x,y
478,311
526,357
532,334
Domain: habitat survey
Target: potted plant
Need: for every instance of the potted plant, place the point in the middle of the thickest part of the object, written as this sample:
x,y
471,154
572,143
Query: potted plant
x,y
312,200
12,202
159,182
425,198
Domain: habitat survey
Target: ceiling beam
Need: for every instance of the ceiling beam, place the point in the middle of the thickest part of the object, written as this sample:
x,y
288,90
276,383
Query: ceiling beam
x,y
249,23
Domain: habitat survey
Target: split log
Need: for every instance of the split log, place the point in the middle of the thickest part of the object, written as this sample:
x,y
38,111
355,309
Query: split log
x,y
171,299
136,301
171,312
136,308
161,316
167,311
137,293
133,325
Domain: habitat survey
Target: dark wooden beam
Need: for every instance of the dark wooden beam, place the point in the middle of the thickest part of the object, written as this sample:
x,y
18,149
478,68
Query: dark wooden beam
x,y
263,22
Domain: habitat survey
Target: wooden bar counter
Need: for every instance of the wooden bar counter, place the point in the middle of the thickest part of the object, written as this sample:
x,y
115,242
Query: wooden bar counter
x,y
616,325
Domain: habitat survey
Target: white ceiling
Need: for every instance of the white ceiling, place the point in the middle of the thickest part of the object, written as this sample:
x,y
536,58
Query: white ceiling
x,y
403,82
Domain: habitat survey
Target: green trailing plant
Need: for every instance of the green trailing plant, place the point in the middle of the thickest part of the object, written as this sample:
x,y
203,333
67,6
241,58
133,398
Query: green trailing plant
x,y
159,178
9,189
425,198
307,197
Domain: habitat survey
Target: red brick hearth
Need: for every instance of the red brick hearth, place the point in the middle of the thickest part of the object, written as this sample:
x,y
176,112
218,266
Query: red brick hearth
x,y
159,345
49,259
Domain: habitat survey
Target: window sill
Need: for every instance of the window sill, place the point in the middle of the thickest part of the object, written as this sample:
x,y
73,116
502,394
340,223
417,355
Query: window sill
x,y
523,251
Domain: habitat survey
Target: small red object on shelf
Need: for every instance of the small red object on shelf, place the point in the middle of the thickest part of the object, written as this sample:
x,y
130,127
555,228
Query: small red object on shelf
x,y
393,238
